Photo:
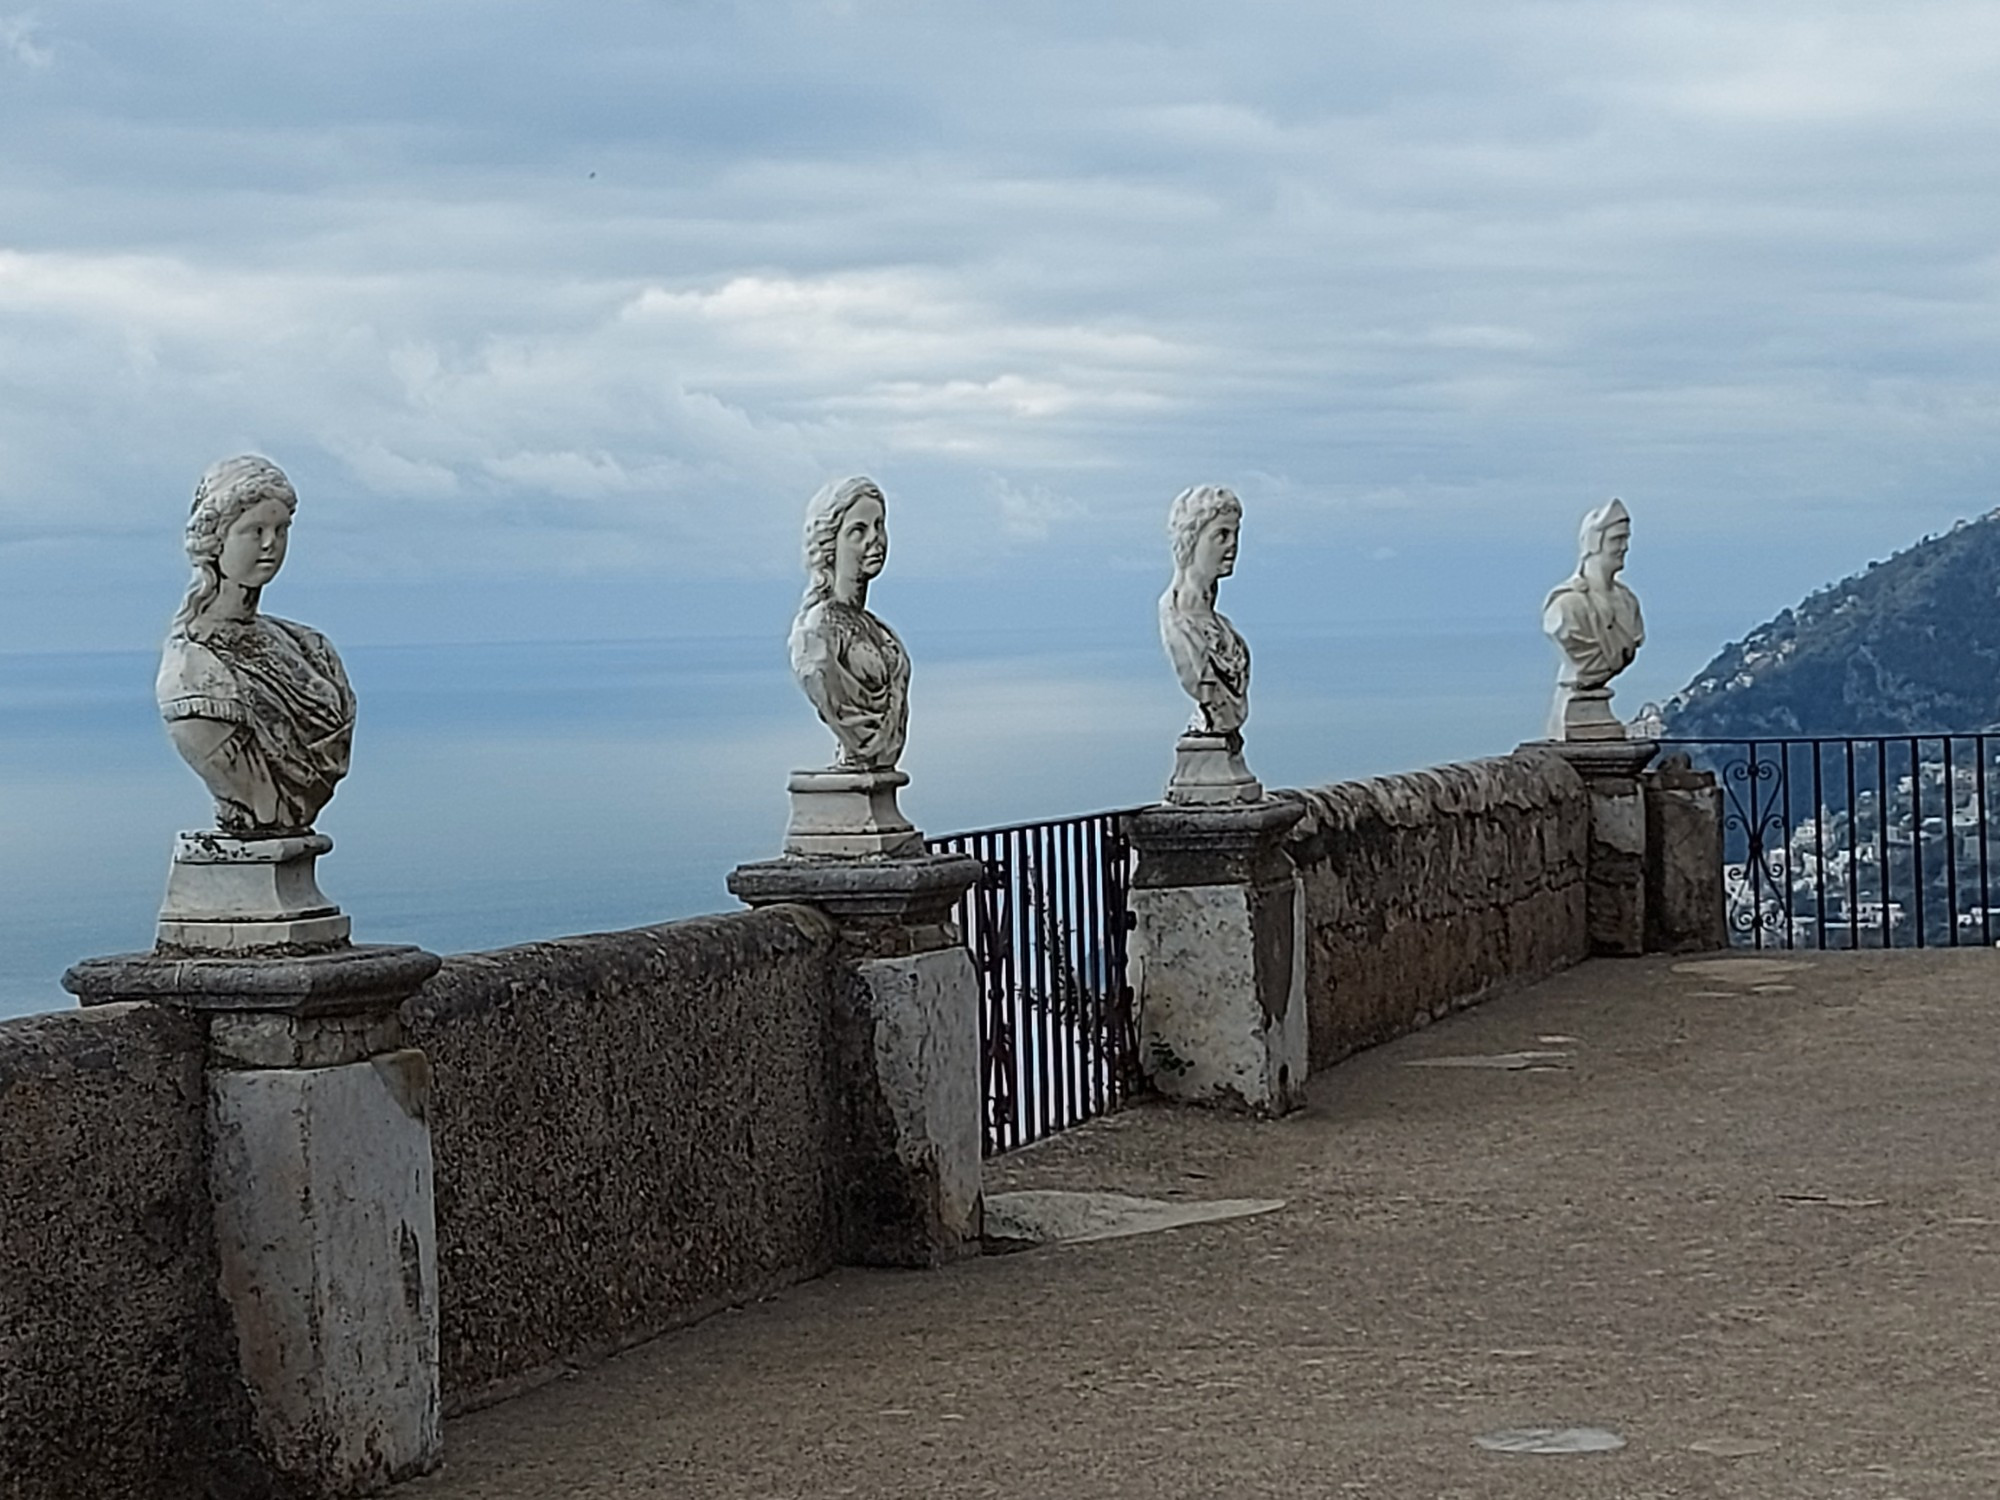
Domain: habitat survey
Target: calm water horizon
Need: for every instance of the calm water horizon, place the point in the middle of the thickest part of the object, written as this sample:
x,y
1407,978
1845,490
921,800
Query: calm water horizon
x,y
505,793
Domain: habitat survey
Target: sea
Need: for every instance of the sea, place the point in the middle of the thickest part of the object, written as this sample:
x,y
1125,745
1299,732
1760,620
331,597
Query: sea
x,y
502,793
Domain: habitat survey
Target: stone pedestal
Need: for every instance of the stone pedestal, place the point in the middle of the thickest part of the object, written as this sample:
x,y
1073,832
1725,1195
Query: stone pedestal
x,y
1583,714
1218,955
1209,772
1686,911
849,815
321,1178
1615,888
905,1035
228,895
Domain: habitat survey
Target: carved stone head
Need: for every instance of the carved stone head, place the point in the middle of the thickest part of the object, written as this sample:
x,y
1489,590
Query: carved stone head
x,y
831,554
1203,525
1606,532
219,542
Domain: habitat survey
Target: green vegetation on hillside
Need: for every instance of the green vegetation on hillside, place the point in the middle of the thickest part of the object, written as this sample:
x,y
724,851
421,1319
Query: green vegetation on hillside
x,y
1910,646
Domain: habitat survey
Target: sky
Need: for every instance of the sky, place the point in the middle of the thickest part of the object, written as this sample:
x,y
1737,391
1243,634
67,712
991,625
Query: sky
x,y
558,313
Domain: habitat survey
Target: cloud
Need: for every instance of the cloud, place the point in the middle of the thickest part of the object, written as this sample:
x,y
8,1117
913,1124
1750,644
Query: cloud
x,y
596,287
394,475
1032,513
20,39
1833,65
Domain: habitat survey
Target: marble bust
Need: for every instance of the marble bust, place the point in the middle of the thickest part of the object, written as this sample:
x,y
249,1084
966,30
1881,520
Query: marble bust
x,y
856,674
1208,654
1595,623
258,706
851,665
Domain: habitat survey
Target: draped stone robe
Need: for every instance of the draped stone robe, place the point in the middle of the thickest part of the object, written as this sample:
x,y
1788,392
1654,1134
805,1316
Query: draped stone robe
x,y
1212,661
857,675
1598,631
283,692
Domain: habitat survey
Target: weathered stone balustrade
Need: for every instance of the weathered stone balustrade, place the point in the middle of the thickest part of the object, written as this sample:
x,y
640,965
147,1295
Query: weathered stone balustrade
x,y
634,1129
1427,891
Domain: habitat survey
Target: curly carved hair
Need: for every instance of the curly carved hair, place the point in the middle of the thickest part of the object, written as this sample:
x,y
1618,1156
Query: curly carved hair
x,y
1194,510
225,492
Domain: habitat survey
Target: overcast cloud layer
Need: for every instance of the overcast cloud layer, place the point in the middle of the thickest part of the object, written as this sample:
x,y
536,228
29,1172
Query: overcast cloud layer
x,y
540,301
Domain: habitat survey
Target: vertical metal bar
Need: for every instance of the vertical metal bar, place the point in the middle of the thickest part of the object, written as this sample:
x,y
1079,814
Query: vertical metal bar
x,y
1005,1100
1017,982
975,933
1755,851
1066,975
978,938
1114,958
1819,851
1019,1060
1950,845
1853,852
968,930
1917,840
1785,832
1065,972
1052,1000
1985,838
1035,885
1079,937
969,922
1020,945
1045,942
1079,960
1093,839
1118,886
998,915
1079,970
992,1023
1882,835
1114,963
1045,1059
1085,961
1072,961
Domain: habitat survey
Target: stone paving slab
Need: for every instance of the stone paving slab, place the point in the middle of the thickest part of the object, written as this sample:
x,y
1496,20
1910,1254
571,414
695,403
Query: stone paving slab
x,y
1753,1209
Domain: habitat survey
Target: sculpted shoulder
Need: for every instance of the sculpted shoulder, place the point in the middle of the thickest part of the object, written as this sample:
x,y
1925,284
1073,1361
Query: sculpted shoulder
x,y
195,683
304,636
1568,595
315,648
1187,651
820,632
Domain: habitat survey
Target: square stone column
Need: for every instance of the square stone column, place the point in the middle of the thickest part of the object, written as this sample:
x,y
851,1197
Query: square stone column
x,y
1615,885
1218,955
321,1178
905,1037
1686,911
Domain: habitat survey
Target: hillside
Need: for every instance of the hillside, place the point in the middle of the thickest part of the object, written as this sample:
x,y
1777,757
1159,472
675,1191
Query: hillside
x,y
1912,645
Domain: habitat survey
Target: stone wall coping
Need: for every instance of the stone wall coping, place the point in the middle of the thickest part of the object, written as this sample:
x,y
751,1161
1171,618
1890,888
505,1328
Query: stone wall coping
x,y
887,885
1532,777
1601,757
1193,826
345,981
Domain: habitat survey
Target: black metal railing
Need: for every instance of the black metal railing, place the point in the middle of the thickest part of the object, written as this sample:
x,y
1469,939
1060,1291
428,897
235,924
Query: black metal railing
x,y
1860,842
1047,926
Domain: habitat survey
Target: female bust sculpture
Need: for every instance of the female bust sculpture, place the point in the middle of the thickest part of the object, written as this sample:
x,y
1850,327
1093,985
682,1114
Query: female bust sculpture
x,y
1208,654
850,664
1594,621
258,706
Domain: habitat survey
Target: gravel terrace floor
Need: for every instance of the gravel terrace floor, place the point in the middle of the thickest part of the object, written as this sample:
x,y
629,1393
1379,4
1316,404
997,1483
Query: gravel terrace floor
x,y
1748,1220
